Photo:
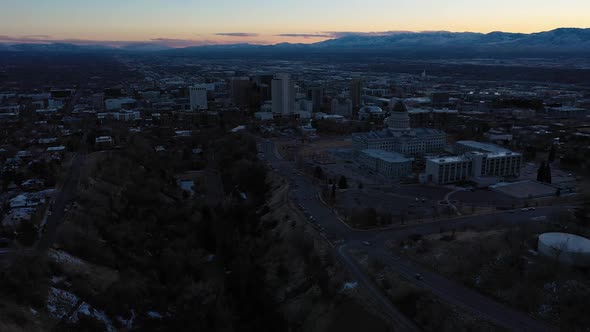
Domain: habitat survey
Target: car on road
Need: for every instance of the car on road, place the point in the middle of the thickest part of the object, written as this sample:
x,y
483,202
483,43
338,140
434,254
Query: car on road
x,y
418,276
539,218
366,243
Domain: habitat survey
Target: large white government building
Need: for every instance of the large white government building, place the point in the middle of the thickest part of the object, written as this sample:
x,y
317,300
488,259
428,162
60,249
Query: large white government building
x,y
390,164
385,152
400,137
478,162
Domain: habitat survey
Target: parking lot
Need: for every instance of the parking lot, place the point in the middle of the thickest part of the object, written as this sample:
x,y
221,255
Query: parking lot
x,y
558,176
485,197
387,203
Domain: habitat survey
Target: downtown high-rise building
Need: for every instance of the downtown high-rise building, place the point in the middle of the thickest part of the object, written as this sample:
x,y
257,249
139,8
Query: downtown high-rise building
x,y
316,95
341,106
198,98
283,94
240,91
356,92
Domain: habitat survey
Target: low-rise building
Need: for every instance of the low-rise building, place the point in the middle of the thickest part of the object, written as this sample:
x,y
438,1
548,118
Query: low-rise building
x,y
448,169
371,113
389,164
104,140
462,147
567,112
120,116
263,116
474,166
416,142
119,103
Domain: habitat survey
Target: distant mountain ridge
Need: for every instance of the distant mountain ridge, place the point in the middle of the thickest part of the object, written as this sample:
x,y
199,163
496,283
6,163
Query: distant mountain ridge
x,y
562,41
565,38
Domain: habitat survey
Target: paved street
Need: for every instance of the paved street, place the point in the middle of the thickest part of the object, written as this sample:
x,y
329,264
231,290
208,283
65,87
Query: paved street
x,y
63,197
304,192
66,193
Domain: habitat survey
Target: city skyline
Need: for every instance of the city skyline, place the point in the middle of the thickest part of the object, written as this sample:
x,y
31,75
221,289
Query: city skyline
x,y
181,23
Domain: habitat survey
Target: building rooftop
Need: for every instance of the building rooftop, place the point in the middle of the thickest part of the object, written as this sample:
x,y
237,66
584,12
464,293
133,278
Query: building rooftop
x,y
372,109
567,109
391,157
451,159
487,147
444,110
419,110
494,154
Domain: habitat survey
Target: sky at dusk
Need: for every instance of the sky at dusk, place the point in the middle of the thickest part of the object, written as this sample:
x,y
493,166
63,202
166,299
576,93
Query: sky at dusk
x,y
181,23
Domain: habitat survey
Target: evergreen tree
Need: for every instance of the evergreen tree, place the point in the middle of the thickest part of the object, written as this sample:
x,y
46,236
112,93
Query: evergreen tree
x,y
552,154
318,172
27,233
333,195
343,184
541,173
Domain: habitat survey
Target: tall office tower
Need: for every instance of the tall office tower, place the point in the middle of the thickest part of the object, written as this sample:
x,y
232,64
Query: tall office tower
x,y
198,97
98,101
240,91
264,80
316,95
342,106
283,94
356,92
264,92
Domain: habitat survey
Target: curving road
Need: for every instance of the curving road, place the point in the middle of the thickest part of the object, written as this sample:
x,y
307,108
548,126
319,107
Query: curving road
x,y
65,195
304,192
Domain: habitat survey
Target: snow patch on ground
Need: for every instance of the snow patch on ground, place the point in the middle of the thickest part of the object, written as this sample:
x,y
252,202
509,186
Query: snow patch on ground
x,y
57,280
60,256
127,323
154,314
60,302
87,310
349,286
